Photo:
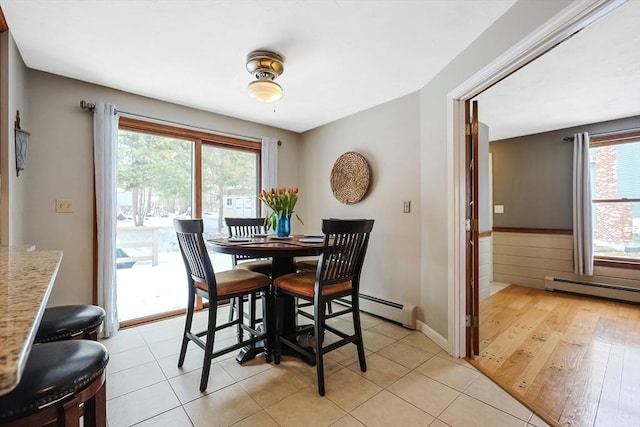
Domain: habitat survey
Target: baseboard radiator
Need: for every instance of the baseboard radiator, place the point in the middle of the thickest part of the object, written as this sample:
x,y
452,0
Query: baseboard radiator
x,y
595,289
405,314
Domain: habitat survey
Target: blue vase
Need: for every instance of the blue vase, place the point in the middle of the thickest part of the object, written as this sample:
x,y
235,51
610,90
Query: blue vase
x,y
283,225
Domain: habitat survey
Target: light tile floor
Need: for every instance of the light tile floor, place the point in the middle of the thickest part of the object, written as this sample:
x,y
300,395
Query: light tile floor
x,y
410,381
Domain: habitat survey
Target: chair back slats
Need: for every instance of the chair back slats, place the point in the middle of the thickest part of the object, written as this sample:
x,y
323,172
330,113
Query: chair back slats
x,y
244,227
194,252
345,246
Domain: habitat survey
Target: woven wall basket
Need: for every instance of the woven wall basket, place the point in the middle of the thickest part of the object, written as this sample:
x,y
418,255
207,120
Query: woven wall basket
x,y
350,178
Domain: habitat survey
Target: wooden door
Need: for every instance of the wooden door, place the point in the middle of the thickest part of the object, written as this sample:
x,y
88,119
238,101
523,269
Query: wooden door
x,y
472,254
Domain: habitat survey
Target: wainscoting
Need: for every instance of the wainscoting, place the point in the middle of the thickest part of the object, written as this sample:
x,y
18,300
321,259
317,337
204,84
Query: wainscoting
x,y
527,258
485,264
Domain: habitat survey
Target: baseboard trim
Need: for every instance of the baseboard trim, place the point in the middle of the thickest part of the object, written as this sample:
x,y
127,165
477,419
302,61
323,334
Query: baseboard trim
x,y
441,341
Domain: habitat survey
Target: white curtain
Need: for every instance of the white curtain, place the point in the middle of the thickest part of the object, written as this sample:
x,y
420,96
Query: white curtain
x,y
269,162
582,227
105,142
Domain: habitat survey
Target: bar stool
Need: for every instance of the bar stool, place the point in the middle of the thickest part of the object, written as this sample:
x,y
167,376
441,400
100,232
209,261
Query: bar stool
x,y
61,382
70,322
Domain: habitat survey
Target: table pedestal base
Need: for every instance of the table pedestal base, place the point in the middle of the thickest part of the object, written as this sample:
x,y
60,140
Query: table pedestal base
x,y
251,351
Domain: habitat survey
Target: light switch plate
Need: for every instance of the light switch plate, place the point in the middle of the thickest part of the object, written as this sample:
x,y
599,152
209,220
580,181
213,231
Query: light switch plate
x,y
406,208
498,209
64,206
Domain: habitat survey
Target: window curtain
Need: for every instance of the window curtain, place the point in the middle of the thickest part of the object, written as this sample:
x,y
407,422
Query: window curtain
x,y
105,143
582,225
269,165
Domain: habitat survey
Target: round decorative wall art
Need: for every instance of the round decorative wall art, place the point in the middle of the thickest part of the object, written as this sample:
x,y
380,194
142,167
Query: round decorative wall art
x,y
350,178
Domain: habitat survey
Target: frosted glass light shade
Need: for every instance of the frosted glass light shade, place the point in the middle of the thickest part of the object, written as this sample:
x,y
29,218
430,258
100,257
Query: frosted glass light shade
x,y
265,90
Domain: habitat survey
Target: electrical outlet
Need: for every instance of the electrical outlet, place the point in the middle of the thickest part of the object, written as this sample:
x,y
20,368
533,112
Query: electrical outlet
x,y
64,206
406,207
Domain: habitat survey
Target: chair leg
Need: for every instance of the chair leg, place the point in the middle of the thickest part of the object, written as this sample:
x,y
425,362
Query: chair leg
x,y
319,307
187,325
277,347
208,348
252,310
240,308
266,312
232,308
357,327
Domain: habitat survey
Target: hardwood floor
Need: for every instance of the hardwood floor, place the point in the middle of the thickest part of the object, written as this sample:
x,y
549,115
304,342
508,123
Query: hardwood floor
x,y
573,360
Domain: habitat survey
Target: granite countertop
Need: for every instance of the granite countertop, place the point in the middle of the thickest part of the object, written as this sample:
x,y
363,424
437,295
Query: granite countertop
x,y
26,279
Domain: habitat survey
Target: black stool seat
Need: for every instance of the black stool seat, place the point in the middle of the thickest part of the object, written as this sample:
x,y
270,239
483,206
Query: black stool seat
x,y
69,321
54,371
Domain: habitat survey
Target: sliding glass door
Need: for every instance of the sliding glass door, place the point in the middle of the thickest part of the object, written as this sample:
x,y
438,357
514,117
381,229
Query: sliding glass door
x,y
166,173
155,181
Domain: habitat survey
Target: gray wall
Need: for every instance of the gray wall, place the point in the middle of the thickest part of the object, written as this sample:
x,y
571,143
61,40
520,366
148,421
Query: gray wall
x,y
388,137
13,94
532,176
60,165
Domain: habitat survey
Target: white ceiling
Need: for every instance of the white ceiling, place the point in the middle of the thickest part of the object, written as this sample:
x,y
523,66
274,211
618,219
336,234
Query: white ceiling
x,y
342,57
592,77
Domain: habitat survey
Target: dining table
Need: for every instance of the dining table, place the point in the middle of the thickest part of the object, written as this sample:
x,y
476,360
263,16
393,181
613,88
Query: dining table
x,y
26,281
282,252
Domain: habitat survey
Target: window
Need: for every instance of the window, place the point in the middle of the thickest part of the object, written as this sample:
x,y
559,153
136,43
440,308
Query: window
x,y
615,189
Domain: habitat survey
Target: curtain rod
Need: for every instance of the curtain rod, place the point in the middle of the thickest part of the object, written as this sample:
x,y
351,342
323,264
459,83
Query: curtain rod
x,y
91,106
615,132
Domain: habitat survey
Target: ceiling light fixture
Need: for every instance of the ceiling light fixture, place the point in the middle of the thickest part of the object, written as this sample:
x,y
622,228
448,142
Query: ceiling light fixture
x,y
266,65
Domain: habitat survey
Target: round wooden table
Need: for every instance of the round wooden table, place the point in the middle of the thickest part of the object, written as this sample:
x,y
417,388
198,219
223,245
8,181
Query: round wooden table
x,y
282,253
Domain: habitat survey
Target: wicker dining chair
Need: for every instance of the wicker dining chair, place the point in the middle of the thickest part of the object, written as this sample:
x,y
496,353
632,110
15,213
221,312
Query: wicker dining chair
x,y
337,276
202,281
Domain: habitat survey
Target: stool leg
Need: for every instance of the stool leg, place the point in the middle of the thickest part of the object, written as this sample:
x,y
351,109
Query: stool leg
x,y
232,308
278,301
240,307
95,409
267,309
319,307
252,310
208,348
69,414
187,325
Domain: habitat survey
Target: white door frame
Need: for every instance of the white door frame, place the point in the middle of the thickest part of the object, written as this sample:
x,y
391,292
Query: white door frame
x,y
572,19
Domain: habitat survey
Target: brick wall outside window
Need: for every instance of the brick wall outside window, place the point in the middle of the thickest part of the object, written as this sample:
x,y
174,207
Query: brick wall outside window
x,y
613,220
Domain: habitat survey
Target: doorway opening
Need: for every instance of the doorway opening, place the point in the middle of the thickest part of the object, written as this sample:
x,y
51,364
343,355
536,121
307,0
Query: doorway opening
x,y
567,401
569,22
